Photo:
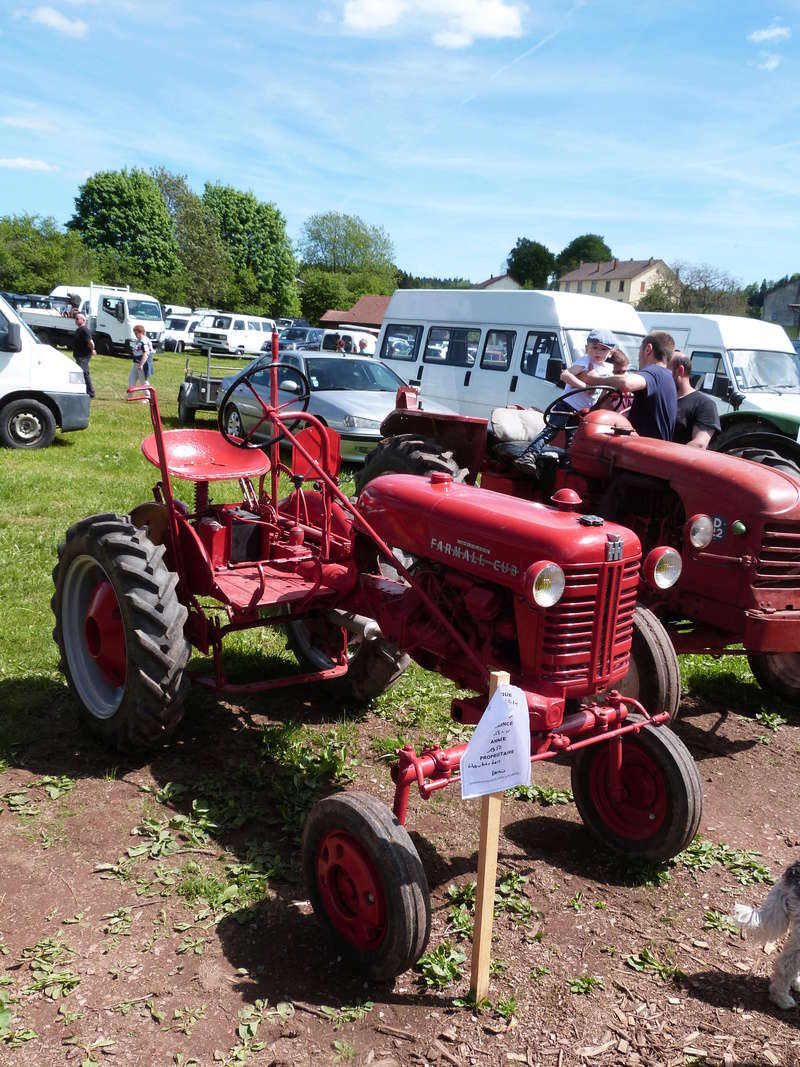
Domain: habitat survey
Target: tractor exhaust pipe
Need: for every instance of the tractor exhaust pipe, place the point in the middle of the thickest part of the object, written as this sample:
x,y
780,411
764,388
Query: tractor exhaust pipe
x,y
366,628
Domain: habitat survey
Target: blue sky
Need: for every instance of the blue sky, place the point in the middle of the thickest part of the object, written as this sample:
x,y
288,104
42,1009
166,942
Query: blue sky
x,y
673,129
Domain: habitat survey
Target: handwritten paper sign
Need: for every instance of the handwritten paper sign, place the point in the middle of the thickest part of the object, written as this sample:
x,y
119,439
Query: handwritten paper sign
x,y
498,756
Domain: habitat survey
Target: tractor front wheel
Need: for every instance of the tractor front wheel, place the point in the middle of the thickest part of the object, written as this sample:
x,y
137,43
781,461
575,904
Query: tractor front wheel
x,y
119,630
658,809
372,666
778,673
654,675
366,884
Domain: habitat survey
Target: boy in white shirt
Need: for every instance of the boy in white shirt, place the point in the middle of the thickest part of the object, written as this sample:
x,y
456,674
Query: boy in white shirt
x,y
599,345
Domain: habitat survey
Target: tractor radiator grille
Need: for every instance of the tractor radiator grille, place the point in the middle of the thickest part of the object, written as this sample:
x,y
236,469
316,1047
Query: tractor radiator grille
x,y
779,558
587,635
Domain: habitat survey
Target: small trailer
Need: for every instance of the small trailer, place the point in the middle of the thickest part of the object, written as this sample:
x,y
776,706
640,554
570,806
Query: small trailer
x,y
199,390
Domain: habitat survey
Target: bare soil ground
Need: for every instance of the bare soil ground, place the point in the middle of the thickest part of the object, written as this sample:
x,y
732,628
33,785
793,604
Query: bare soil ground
x,y
151,914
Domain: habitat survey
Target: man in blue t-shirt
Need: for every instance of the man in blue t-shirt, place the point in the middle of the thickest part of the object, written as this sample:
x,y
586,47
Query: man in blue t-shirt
x,y
655,398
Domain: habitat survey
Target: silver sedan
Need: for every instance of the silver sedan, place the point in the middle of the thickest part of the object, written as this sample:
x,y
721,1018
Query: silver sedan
x,y
351,394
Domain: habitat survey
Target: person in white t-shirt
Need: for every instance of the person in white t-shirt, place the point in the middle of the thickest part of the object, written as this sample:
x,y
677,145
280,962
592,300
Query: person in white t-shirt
x,y
599,345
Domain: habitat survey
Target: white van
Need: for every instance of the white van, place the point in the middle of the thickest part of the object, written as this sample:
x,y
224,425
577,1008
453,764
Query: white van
x,y
40,388
179,331
475,350
750,367
230,333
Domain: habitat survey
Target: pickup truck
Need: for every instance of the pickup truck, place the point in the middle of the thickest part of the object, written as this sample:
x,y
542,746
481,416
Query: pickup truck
x,y
111,314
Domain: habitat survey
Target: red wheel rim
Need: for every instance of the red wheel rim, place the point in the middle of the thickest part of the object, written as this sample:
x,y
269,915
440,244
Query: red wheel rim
x,y
351,890
104,633
640,812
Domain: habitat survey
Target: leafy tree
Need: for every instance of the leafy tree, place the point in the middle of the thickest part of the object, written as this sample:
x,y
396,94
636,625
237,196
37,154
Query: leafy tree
x,y
345,243
123,212
323,290
659,297
530,263
207,271
588,248
36,255
254,234
415,281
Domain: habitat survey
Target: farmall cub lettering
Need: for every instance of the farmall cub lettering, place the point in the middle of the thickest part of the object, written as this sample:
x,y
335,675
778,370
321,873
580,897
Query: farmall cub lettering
x,y
528,589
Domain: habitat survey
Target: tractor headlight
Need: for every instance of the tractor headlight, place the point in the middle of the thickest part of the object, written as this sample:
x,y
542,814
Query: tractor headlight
x,y
544,584
700,530
662,568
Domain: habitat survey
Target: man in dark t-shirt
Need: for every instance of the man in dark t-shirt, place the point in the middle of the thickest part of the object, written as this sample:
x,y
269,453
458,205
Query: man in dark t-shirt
x,y
655,398
698,418
83,350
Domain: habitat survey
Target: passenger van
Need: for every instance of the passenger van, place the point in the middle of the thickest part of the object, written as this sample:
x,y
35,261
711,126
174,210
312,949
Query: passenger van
x,y
229,333
748,366
474,350
40,388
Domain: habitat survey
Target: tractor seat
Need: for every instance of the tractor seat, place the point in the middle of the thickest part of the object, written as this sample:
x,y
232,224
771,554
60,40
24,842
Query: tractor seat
x,y
205,456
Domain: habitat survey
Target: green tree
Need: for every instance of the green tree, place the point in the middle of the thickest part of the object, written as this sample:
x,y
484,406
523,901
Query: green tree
x,y
36,255
416,281
658,297
254,234
123,212
588,248
323,290
530,263
345,243
207,271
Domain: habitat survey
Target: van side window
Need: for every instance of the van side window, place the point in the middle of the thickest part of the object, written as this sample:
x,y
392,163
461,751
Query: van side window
x,y
3,328
453,345
497,349
401,342
239,324
708,369
539,348
253,326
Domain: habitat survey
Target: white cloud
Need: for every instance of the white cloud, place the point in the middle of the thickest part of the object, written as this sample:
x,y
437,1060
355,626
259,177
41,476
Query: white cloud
x,y
54,20
775,32
26,122
451,23
769,61
20,163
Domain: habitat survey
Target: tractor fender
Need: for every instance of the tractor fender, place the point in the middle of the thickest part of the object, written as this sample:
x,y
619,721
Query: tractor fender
x,y
462,435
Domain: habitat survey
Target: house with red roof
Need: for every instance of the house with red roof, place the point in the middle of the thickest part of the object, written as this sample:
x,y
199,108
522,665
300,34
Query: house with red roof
x,y
618,279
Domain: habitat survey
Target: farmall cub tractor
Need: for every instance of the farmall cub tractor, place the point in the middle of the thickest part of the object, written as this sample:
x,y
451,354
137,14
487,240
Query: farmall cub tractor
x,y
735,522
545,593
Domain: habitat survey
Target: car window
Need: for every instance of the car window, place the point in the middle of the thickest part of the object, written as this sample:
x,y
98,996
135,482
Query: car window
x,y
222,322
497,349
176,324
401,342
706,366
539,348
456,346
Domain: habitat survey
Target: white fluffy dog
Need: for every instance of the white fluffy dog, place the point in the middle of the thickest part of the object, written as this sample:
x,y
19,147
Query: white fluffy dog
x,y
780,910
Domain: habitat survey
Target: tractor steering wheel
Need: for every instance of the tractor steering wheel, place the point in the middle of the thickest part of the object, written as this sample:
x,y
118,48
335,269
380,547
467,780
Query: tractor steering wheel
x,y
574,417
268,413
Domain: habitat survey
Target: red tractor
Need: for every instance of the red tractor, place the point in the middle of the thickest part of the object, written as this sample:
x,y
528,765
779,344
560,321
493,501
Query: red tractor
x,y
735,522
545,593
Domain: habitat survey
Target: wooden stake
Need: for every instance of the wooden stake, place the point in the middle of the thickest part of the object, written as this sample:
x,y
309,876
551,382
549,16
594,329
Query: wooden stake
x,y
487,876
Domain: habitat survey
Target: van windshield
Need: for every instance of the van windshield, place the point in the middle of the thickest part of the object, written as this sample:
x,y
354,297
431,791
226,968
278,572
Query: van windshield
x,y
758,368
144,309
628,342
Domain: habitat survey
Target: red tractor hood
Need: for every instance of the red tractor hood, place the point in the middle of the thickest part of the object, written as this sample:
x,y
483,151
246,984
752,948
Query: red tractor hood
x,y
490,535
706,481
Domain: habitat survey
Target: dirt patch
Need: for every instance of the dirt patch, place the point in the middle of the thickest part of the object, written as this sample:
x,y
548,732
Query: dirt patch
x,y
153,915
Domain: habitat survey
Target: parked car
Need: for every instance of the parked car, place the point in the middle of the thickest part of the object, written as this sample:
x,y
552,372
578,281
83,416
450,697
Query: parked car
x,y
352,395
233,334
179,332
294,337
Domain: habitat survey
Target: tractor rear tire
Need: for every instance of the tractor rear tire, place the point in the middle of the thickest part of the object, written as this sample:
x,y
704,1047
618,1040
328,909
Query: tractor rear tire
x,y
769,457
373,666
654,676
119,630
778,673
186,413
408,454
366,884
26,424
660,811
